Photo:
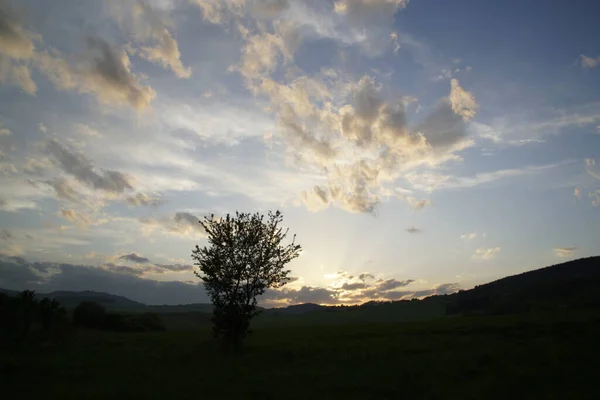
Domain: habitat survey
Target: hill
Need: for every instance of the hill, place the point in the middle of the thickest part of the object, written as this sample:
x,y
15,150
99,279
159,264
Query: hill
x,y
570,285
109,301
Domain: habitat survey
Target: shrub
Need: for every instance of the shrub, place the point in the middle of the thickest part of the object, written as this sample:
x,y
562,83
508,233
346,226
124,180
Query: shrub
x,y
151,322
89,315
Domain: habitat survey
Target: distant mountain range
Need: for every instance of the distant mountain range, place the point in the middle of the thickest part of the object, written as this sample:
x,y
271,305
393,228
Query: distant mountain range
x,y
71,299
568,285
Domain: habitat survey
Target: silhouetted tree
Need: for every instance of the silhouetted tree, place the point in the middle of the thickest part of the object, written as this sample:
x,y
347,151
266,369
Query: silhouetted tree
x,y
51,313
26,309
245,257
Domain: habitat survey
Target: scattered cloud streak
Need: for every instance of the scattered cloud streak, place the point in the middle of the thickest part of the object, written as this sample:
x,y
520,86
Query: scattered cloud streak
x,y
564,252
135,258
484,253
588,62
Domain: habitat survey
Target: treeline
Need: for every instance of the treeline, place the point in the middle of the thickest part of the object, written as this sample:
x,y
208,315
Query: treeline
x,y
24,317
92,315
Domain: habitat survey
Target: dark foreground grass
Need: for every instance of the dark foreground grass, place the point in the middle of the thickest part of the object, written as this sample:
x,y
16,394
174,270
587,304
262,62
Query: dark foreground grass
x,y
516,357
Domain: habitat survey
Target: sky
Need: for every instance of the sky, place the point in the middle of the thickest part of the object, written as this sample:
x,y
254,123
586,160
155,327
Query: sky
x,y
415,147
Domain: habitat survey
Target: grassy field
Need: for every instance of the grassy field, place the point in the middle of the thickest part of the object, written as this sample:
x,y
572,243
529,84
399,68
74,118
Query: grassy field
x,y
543,356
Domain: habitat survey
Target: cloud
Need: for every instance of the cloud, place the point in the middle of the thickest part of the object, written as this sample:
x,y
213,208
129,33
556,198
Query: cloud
x,y
148,26
17,48
565,251
176,267
122,269
589,62
316,199
593,173
595,197
430,181
35,167
486,253
413,229
269,9
216,11
104,71
391,284
64,190
19,274
306,294
86,130
81,219
372,18
15,41
134,257
463,102
447,288
417,204
366,276
143,199
7,169
5,235
469,236
354,286
21,75
378,147
147,268
181,224
345,288
83,170
355,133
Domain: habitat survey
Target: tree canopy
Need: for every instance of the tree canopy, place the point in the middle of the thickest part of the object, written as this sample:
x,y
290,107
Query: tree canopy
x,y
245,256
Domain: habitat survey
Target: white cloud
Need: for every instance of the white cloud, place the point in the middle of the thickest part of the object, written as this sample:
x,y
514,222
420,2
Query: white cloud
x,y
151,30
469,236
463,102
484,253
589,62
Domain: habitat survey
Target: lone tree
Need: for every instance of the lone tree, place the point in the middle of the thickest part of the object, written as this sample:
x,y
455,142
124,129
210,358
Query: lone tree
x,y
244,258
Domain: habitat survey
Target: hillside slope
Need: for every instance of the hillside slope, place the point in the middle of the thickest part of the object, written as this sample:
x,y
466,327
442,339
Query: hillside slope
x,y
573,284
